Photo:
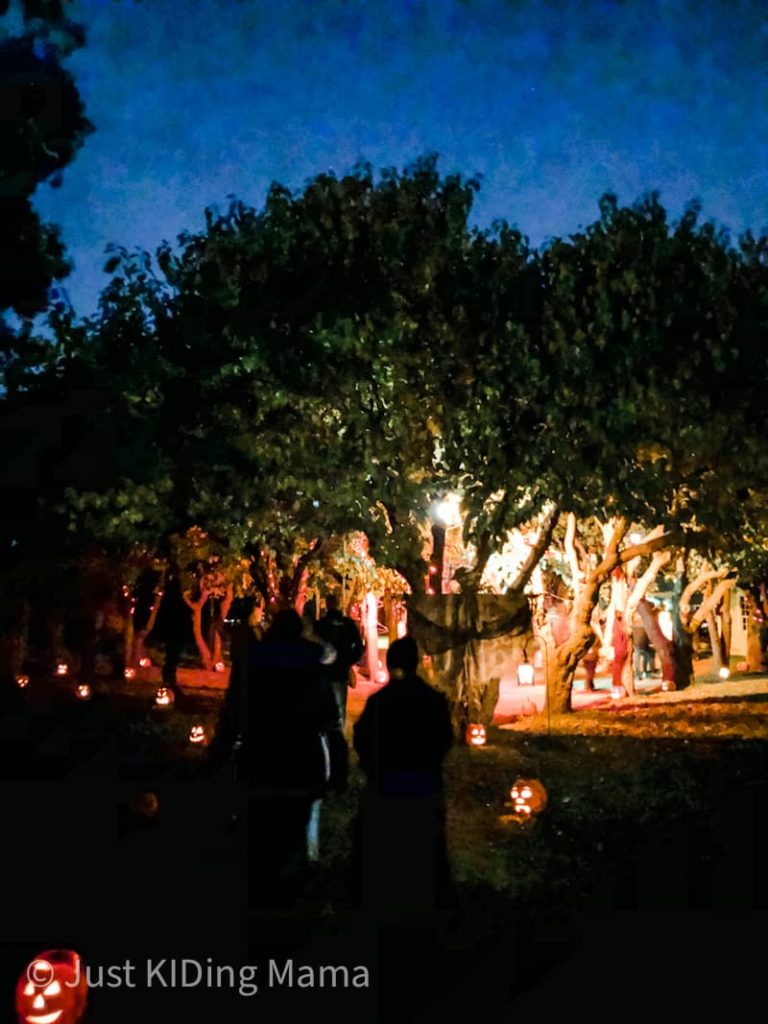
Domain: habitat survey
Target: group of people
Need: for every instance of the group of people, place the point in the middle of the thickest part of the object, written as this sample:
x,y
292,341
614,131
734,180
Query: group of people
x,y
283,722
644,653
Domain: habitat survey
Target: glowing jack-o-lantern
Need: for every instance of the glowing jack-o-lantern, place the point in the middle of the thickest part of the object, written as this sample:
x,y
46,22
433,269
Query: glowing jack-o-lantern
x,y
83,691
617,692
130,673
198,735
476,736
164,697
53,989
528,797
145,662
219,666
22,682
668,685
146,804
62,668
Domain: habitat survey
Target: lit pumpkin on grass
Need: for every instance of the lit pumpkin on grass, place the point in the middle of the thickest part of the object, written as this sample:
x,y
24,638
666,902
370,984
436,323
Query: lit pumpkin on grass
x,y
528,798
62,669
164,698
146,804
53,989
219,667
668,685
130,673
198,735
476,736
22,682
617,692
145,662
83,692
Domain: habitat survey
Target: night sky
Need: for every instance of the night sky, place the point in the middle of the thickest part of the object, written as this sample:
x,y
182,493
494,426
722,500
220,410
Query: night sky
x,y
551,102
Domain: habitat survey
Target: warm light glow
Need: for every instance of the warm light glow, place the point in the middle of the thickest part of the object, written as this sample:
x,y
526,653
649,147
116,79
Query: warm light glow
x,y
448,510
525,674
219,666
83,691
145,662
668,685
432,570
197,734
130,673
62,668
164,697
724,672
529,797
402,629
617,692
665,624
22,682
476,736
382,675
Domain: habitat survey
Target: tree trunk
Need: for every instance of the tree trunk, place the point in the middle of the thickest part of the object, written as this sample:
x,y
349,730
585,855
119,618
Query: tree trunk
x,y
571,651
140,636
196,608
372,636
754,651
727,628
715,642
221,614
650,617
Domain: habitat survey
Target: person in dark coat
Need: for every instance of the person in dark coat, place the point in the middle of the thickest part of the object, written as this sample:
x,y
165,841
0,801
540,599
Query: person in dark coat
x,y
286,707
342,634
401,739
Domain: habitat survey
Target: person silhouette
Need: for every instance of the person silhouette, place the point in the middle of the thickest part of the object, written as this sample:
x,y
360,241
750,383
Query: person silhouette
x,y
401,739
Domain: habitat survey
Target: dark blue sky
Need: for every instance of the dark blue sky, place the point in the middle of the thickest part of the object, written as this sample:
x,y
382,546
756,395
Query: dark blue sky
x,y
552,101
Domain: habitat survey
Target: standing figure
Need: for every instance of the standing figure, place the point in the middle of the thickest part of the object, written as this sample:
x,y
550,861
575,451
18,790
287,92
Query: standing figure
x,y
644,657
620,647
343,635
401,739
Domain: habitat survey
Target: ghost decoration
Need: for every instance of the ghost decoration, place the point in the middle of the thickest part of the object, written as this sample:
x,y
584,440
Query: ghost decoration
x,y
53,989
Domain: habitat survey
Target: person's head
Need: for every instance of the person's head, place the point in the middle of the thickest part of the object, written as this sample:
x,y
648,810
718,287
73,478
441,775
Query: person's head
x,y
286,625
402,657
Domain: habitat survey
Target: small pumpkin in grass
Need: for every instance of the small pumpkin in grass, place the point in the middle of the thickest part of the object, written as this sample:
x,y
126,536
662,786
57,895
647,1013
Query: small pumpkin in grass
x,y
53,989
528,798
198,736
164,698
476,735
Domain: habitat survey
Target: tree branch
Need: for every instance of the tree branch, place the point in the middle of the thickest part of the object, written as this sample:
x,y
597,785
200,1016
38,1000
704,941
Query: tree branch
x,y
640,589
711,603
569,544
546,529
696,584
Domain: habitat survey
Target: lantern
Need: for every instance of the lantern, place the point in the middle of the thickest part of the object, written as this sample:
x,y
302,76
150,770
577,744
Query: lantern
x,y
668,685
22,682
53,989
476,736
130,673
62,668
83,691
198,736
525,673
529,708
529,798
219,666
164,697
724,672
145,662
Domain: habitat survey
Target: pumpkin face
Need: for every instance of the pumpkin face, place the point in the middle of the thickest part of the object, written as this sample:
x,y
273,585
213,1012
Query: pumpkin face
x,y
83,691
197,735
146,804
219,666
476,736
145,662
529,797
22,682
130,673
164,697
53,989
62,668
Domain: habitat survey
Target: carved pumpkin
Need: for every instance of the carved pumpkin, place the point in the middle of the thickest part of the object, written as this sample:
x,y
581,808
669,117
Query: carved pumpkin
x,y
476,736
219,666
53,989
83,691
22,682
62,668
198,735
130,673
529,798
145,662
164,697
146,804
668,685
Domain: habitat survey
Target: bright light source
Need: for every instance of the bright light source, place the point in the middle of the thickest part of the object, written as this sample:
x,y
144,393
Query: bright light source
x,y
635,538
447,511
617,692
724,672
525,674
